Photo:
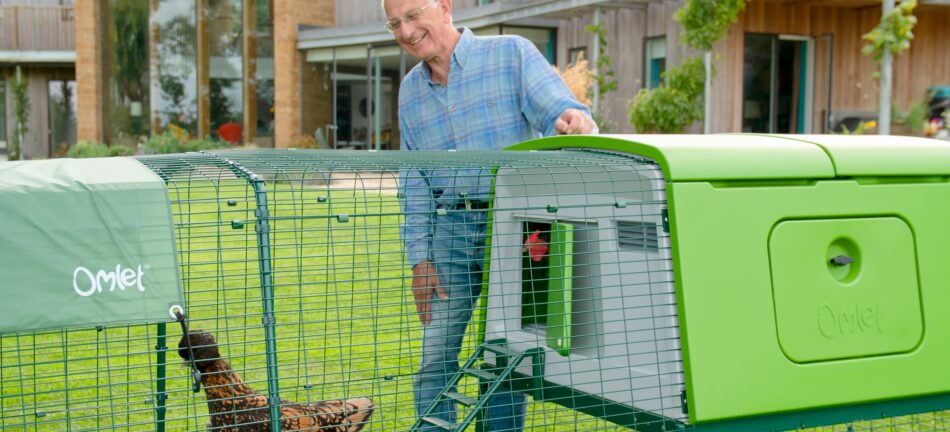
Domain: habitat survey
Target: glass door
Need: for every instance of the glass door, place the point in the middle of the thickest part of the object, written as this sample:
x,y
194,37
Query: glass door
x,y
778,84
386,66
823,84
62,116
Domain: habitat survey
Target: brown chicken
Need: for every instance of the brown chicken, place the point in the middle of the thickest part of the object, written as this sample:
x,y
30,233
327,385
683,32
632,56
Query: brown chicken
x,y
236,407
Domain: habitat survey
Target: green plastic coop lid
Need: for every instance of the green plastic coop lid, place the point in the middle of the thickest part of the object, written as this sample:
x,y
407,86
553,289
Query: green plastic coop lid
x,y
708,157
881,155
87,242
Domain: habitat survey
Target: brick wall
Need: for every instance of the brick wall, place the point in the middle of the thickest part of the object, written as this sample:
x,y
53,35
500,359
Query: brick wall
x,y
288,14
89,75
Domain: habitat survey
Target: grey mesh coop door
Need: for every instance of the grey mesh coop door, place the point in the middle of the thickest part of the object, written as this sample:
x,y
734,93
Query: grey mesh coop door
x,y
614,308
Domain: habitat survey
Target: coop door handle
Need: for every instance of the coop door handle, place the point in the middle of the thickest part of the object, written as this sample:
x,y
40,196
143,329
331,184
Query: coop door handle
x,y
842,260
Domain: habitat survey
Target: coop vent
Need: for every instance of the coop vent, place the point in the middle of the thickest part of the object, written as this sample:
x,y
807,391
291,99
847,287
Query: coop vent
x,y
637,236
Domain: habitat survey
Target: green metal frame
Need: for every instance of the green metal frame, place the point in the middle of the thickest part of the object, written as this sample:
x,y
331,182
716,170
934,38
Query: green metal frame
x,y
262,231
595,406
160,394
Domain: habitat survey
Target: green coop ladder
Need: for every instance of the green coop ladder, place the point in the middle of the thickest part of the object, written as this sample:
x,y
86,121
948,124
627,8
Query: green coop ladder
x,y
493,378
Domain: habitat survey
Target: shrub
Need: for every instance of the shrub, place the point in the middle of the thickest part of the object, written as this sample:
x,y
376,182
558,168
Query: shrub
x,y
578,79
168,142
915,118
165,142
92,149
206,143
673,106
304,142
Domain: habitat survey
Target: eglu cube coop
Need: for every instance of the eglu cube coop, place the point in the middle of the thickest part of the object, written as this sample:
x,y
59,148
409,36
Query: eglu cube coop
x,y
724,282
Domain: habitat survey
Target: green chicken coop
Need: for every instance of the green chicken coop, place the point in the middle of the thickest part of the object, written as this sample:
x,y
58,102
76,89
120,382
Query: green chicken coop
x,y
735,276
650,282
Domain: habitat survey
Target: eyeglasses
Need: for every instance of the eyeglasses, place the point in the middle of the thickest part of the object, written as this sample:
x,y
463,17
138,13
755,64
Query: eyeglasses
x,y
410,16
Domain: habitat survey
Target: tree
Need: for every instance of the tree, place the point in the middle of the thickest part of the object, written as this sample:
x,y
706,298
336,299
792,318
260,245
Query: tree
x,y
673,106
891,36
679,100
604,77
705,21
21,112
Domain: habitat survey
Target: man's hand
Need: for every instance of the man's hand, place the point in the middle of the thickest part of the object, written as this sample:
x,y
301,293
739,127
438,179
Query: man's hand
x,y
425,280
573,121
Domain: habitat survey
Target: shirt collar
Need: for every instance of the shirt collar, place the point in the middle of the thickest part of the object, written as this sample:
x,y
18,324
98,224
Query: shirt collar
x,y
459,54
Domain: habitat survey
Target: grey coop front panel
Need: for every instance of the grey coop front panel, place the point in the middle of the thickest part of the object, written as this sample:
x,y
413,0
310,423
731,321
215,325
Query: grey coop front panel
x,y
613,308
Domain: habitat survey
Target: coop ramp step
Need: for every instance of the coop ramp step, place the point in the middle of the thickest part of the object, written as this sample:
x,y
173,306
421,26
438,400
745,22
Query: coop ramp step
x,y
490,381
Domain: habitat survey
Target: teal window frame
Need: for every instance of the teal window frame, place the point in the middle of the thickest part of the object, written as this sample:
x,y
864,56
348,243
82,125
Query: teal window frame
x,y
654,64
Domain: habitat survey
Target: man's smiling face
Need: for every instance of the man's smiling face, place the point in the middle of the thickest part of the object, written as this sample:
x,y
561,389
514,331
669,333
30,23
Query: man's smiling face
x,y
419,26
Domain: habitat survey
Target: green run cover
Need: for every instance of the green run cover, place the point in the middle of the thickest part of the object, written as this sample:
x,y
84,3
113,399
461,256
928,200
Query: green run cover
x,y
86,242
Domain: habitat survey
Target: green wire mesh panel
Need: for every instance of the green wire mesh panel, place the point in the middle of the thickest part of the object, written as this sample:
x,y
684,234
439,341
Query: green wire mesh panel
x,y
79,380
294,262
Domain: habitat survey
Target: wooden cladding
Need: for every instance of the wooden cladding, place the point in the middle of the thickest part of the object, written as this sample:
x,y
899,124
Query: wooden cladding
x,y
37,28
839,28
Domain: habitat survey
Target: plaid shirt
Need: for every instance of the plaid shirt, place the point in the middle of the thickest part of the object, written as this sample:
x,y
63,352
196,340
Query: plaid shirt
x,y
501,91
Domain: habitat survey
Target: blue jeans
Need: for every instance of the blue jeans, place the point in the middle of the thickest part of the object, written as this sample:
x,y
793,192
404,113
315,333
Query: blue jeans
x,y
458,249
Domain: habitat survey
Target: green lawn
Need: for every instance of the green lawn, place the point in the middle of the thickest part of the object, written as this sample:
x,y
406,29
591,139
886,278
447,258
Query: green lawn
x,y
345,324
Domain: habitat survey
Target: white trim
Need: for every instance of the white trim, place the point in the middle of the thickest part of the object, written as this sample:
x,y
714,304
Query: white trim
x,y
799,38
37,56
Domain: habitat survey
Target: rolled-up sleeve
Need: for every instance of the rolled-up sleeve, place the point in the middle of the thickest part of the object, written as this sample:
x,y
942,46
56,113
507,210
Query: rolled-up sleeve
x,y
544,96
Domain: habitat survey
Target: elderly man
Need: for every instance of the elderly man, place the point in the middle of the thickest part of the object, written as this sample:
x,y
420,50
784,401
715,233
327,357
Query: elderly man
x,y
468,93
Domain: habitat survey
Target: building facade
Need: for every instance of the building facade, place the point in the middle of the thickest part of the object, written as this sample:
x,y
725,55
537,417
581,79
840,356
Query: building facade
x,y
37,40
326,73
194,68
784,67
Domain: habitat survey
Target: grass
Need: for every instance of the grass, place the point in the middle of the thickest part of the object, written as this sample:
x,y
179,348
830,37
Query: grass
x,y
345,322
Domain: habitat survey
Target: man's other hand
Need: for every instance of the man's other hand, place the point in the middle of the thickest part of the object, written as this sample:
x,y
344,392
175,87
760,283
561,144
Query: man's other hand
x,y
425,281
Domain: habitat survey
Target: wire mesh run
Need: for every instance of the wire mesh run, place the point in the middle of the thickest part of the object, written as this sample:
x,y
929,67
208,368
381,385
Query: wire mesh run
x,y
296,263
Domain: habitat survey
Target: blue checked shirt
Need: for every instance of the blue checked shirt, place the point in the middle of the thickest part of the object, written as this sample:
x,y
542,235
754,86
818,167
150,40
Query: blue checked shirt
x,y
501,91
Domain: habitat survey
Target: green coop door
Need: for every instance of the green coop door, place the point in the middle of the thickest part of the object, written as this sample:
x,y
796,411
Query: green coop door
x,y
845,288
547,275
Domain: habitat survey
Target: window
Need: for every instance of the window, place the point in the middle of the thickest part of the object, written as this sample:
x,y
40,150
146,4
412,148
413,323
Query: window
x,y
654,63
263,71
574,54
62,116
226,73
543,38
125,63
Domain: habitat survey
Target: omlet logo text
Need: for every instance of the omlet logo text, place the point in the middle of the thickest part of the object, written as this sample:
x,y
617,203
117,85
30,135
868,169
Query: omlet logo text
x,y
849,319
86,283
